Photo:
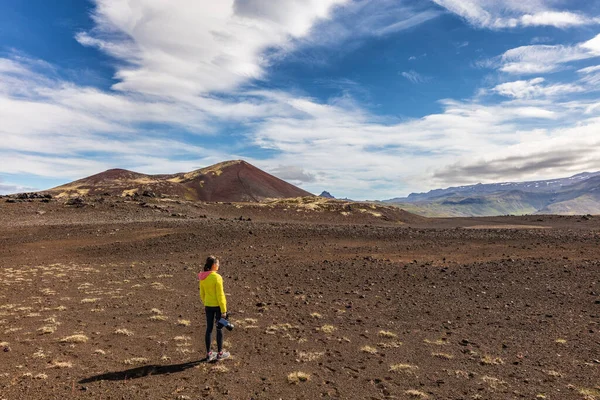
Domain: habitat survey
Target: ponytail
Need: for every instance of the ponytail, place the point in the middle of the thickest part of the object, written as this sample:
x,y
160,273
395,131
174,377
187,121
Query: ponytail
x,y
210,261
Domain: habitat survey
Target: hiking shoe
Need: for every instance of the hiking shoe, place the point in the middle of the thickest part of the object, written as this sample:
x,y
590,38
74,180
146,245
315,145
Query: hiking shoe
x,y
222,354
210,356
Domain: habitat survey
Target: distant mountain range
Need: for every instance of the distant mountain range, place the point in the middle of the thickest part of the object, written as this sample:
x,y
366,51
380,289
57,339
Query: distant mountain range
x,y
229,181
578,194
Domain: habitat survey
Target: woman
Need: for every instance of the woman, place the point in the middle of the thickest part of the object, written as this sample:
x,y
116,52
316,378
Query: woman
x,y
215,304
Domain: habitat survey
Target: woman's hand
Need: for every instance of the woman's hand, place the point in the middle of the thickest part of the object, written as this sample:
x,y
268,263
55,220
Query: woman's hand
x,y
224,315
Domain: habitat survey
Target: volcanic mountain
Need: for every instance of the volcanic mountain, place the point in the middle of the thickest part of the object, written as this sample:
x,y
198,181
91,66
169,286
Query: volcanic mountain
x,y
235,181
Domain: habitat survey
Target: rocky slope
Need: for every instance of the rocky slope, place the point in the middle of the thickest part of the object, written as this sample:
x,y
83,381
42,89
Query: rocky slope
x,y
227,181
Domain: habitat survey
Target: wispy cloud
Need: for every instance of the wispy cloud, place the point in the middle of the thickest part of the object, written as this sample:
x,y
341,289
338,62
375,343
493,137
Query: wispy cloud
x,y
535,88
537,59
415,77
502,14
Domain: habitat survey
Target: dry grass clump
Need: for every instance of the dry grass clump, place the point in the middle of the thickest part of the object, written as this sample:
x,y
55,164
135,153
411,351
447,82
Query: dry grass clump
x,y
250,323
297,377
45,330
305,356
416,394
387,334
439,342
135,361
182,338
327,329
60,364
124,332
489,360
183,322
492,382
273,329
158,318
74,339
39,353
316,315
390,345
220,369
90,300
590,393
403,368
60,308
555,374
157,286
560,341
369,349
444,356
41,376
156,311
99,351
11,330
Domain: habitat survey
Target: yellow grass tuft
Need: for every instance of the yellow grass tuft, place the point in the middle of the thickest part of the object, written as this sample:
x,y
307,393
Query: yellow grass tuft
x,y
39,353
135,361
4,344
220,369
74,339
555,374
297,377
489,360
304,356
403,368
156,311
90,300
60,364
416,394
158,318
316,315
439,342
124,332
328,329
41,376
99,351
387,334
44,330
390,345
183,322
492,382
561,341
369,349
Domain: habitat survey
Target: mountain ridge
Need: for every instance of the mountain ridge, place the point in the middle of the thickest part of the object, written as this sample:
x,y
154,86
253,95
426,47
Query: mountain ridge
x,y
577,194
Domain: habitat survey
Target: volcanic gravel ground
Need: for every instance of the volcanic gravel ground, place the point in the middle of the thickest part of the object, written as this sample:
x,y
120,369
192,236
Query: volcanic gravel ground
x,y
103,303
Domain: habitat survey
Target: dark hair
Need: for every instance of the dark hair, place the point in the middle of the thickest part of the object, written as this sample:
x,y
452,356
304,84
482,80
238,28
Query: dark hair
x,y
210,261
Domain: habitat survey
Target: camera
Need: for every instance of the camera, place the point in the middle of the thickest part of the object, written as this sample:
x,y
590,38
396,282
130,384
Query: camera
x,y
224,323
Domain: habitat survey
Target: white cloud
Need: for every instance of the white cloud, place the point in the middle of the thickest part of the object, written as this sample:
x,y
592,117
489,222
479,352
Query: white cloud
x,y
534,88
536,59
414,76
499,14
198,46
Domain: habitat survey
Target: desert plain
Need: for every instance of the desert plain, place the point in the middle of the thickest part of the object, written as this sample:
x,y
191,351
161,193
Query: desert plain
x,y
330,299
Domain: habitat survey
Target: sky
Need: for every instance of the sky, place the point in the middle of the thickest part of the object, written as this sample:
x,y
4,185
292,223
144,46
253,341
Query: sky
x,y
367,99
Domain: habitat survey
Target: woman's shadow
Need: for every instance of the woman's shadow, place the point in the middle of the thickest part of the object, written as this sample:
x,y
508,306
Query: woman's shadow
x,y
140,372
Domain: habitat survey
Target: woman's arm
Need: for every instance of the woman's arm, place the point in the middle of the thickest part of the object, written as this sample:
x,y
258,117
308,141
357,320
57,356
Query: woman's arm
x,y
202,294
221,295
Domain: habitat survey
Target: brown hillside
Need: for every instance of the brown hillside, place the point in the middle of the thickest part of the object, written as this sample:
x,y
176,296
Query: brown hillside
x,y
227,181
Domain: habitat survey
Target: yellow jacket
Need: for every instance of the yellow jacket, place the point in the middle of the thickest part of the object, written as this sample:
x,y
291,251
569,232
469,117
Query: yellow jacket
x,y
211,290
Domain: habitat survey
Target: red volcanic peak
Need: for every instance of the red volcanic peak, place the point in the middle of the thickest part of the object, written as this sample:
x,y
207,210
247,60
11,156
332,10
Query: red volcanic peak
x,y
227,181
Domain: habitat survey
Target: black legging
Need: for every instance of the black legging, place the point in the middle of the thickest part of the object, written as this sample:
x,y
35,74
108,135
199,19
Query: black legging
x,y
213,314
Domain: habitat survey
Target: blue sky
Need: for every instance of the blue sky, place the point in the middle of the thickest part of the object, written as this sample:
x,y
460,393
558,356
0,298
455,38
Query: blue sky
x,y
368,99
